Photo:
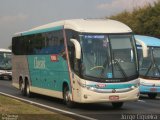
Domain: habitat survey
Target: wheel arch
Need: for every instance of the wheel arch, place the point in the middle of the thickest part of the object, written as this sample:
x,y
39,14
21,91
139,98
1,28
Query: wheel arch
x,y
20,80
65,84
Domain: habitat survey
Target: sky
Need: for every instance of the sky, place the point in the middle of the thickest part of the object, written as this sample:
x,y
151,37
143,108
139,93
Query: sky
x,y
21,15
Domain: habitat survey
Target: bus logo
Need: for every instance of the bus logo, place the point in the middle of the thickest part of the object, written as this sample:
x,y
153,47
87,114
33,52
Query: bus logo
x,y
101,85
114,91
39,63
54,58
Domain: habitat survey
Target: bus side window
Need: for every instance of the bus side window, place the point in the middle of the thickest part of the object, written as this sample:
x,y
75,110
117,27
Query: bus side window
x,y
72,56
73,60
71,49
54,43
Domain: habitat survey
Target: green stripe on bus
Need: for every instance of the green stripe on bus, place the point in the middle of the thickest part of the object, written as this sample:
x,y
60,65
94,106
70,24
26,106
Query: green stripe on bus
x,y
115,86
42,30
48,74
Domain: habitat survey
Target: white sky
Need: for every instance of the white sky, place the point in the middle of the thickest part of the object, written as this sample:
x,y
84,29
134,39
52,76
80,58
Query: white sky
x,y
21,15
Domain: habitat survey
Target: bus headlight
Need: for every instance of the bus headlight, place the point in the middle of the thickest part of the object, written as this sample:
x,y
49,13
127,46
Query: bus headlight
x,y
90,88
132,87
137,84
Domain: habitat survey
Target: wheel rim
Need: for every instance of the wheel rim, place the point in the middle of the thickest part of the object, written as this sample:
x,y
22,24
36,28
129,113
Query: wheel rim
x,y
67,96
22,87
28,91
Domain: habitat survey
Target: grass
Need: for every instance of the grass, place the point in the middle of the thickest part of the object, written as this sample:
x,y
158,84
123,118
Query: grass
x,y
17,110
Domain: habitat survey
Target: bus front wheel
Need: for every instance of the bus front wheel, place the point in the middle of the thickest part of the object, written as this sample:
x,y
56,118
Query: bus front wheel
x,y
117,105
66,97
152,95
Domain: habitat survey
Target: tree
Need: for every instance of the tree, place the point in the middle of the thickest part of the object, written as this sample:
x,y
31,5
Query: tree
x,y
144,20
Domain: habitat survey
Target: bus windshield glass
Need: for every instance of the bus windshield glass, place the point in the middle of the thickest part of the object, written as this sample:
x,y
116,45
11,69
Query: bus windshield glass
x,y
108,57
5,61
150,65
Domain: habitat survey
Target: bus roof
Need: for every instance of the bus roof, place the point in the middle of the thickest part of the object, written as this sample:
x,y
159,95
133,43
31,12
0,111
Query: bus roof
x,y
148,41
82,25
5,50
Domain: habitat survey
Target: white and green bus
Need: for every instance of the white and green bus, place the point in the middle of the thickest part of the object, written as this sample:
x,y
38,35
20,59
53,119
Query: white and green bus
x,y
149,65
79,60
5,64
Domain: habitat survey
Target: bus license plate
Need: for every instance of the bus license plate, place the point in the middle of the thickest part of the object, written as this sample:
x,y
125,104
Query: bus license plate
x,y
113,97
153,89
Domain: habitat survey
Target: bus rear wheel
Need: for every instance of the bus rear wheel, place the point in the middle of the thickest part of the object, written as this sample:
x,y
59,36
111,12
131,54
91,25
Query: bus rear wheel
x,y
117,105
152,95
28,92
66,97
22,87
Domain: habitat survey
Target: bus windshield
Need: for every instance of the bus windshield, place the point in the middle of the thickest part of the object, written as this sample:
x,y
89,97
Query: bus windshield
x,y
108,57
150,66
5,61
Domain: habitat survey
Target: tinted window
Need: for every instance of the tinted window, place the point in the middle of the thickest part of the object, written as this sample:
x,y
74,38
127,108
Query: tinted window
x,y
43,43
70,34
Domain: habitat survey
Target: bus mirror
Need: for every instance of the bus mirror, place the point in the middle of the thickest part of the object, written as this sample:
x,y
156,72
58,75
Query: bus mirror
x,y
145,53
144,48
77,48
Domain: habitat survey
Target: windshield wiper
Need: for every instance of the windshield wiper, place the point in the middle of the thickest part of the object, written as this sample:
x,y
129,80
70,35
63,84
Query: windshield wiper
x,y
5,67
153,63
2,68
148,69
121,69
154,66
97,79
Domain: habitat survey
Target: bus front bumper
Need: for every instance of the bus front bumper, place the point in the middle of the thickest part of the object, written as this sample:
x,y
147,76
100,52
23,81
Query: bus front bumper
x,y
5,75
149,89
89,96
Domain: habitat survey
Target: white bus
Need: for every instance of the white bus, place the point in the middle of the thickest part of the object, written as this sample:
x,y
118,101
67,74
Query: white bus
x,y
79,60
149,61
5,64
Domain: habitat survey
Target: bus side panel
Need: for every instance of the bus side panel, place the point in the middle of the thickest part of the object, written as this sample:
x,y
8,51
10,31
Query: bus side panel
x,y
48,74
19,69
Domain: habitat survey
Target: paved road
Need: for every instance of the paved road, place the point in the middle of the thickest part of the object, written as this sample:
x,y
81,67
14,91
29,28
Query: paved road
x,y
130,111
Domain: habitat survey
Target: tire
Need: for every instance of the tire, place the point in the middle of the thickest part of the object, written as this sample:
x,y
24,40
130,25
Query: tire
x,y
66,98
22,87
117,105
152,95
28,92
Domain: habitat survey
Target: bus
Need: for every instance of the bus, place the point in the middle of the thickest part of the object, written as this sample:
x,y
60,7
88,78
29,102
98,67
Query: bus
x,y
77,60
149,64
5,64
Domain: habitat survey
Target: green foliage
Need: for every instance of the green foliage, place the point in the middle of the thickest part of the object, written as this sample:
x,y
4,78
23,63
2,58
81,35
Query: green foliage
x,y
144,20
18,110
